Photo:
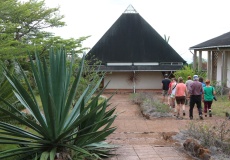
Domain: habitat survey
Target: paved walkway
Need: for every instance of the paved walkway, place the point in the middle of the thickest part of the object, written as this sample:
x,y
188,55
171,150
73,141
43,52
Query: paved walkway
x,y
141,139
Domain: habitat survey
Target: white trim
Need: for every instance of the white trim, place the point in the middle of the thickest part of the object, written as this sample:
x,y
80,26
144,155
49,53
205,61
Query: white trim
x,y
140,70
146,64
172,63
209,47
119,64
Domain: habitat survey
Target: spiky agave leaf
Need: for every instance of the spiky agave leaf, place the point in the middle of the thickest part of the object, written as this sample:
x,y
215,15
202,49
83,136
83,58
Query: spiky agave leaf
x,y
57,125
7,93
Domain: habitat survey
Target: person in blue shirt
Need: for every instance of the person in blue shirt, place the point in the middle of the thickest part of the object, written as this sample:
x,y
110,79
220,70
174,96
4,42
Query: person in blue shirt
x,y
201,80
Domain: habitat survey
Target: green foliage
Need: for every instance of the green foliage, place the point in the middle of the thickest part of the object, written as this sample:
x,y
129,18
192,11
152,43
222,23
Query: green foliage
x,y
61,124
8,95
23,28
90,75
184,72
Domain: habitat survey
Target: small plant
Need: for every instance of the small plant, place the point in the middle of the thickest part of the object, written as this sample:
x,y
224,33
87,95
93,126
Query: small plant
x,y
138,98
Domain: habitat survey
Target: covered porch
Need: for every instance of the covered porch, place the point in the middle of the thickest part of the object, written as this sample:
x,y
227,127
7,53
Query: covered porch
x,y
217,51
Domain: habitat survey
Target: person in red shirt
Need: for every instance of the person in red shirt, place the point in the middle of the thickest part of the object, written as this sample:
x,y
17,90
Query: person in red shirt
x,y
180,95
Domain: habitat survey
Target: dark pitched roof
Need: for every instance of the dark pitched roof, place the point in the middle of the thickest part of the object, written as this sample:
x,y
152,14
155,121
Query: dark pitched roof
x,y
132,39
221,41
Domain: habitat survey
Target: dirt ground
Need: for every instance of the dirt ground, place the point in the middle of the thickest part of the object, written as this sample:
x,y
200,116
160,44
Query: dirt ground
x,y
133,129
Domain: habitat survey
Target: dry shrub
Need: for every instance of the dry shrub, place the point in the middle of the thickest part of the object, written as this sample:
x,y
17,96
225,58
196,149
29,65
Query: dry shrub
x,y
151,105
216,136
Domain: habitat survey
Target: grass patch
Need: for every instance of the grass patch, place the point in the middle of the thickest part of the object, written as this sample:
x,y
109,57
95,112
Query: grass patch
x,y
221,106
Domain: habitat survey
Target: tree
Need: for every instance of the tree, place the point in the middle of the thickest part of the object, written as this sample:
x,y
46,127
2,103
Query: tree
x,y
166,38
23,28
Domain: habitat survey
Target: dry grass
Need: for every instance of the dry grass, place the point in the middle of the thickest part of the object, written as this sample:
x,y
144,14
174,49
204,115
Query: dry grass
x,y
215,137
151,105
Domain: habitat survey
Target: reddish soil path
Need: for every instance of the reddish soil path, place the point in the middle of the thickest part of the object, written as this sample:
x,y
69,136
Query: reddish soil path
x,y
140,138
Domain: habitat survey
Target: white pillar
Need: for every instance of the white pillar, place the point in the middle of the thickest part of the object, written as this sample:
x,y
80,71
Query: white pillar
x,y
225,68
209,64
194,60
222,68
134,82
200,61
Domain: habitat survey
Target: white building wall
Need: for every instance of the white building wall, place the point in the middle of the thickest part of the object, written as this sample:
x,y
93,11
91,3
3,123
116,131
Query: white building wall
x,y
118,80
149,80
144,80
228,71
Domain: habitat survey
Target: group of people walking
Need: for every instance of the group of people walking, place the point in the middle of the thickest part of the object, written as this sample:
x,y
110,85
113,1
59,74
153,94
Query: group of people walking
x,y
191,92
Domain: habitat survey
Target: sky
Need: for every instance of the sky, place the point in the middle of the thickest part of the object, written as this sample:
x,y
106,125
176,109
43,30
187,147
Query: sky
x,y
186,22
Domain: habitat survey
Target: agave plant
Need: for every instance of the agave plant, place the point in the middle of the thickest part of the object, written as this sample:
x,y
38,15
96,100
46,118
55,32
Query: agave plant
x,y
62,127
7,94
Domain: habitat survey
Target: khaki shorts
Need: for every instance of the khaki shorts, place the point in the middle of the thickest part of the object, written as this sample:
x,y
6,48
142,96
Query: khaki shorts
x,y
165,93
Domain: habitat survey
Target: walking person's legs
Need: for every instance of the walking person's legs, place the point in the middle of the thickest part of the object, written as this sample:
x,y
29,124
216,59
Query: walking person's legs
x,y
164,94
182,100
169,101
183,108
191,106
177,107
199,107
173,104
205,108
209,108
178,110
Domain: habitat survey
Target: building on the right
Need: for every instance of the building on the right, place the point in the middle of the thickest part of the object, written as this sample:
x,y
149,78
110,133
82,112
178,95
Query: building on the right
x,y
218,58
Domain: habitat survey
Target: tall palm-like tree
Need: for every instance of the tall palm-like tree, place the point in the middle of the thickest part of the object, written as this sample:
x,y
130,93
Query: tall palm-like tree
x,y
61,125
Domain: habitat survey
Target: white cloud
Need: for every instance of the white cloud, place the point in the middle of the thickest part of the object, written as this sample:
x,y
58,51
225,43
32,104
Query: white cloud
x,y
187,22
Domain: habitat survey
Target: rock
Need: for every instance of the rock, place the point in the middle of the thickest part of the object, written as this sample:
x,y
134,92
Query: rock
x,y
204,154
196,149
167,136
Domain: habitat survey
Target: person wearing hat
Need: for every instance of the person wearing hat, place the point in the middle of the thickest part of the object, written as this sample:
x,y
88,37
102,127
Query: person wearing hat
x,y
165,86
195,91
